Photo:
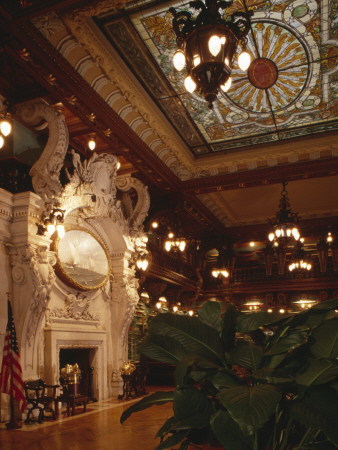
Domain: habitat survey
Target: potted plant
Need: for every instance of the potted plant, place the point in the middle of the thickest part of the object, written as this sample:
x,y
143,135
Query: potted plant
x,y
257,381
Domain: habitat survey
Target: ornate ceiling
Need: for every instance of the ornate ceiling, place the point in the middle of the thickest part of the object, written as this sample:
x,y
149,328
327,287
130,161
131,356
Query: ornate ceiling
x,y
107,66
287,92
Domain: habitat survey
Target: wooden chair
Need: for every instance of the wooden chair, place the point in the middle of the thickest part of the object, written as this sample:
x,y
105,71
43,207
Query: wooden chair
x,y
40,396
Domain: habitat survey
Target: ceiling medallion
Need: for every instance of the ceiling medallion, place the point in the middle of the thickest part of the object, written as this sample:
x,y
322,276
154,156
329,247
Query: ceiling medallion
x,y
207,45
263,73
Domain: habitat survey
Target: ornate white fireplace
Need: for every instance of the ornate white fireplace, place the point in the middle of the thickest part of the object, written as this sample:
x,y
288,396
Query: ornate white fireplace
x,y
53,307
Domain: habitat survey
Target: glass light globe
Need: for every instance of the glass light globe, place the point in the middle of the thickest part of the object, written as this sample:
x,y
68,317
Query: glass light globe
x,y
226,86
214,273
179,60
197,60
175,308
51,228
2,141
226,61
167,246
61,231
214,45
91,144
271,237
5,127
182,246
244,60
189,84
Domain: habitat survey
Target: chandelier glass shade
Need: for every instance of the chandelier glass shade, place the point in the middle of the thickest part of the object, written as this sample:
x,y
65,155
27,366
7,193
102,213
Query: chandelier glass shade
x,y
207,45
300,260
5,127
285,227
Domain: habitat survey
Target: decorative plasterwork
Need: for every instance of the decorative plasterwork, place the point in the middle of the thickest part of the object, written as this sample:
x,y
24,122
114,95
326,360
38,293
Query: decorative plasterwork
x,y
33,266
76,308
46,171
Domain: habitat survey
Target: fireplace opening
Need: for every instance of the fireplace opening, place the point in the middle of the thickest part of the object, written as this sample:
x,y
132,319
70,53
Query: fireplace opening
x,y
84,357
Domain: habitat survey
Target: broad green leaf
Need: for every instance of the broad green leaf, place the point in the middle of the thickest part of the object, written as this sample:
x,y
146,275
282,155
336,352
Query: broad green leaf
x,y
197,421
166,427
158,398
162,348
292,339
273,376
247,355
228,433
184,445
189,361
223,378
250,407
252,321
190,402
326,340
210,313
175,439
318,409
275,360
318,371
328,304
194,335
228,333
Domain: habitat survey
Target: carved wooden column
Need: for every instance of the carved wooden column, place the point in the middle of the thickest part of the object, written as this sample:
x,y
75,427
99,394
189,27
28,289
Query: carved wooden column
x,y
323,249
335,255
268,258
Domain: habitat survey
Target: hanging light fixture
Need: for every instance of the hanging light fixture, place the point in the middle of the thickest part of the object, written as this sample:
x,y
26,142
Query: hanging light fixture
x,y
300,260
207,45
91,142
285,224
221,269
175,240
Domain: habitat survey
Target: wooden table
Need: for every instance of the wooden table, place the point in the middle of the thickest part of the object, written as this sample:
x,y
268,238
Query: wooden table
x,y
72,401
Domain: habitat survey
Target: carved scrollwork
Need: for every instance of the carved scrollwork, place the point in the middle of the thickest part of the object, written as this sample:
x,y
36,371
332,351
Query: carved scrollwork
x,y
46,171
135,215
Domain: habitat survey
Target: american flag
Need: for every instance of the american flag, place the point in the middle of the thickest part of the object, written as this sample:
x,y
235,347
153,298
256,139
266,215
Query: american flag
x,y
11,359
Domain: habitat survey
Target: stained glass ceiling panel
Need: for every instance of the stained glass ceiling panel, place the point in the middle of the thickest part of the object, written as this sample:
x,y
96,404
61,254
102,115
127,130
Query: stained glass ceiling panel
x,y
289,90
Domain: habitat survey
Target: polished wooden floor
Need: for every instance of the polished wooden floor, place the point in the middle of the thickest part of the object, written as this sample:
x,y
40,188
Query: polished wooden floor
x,y
95,430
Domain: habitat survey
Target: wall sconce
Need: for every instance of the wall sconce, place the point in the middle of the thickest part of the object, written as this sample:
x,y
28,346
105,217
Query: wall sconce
x,y
142,262
91,142
52,223
5,124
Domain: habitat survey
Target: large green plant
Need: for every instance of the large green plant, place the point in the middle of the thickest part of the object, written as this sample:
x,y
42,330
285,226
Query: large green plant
x,y
248,381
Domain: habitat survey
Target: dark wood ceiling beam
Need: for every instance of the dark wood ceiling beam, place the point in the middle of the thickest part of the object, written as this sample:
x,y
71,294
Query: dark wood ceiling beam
x,y
258,177
37,8
68,82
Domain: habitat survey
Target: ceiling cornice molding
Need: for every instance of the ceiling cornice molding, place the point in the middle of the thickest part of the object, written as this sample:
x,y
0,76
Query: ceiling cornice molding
x,y
90,37
264,176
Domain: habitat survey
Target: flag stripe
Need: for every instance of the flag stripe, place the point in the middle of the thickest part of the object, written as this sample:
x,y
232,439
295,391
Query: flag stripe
x,y
11,362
